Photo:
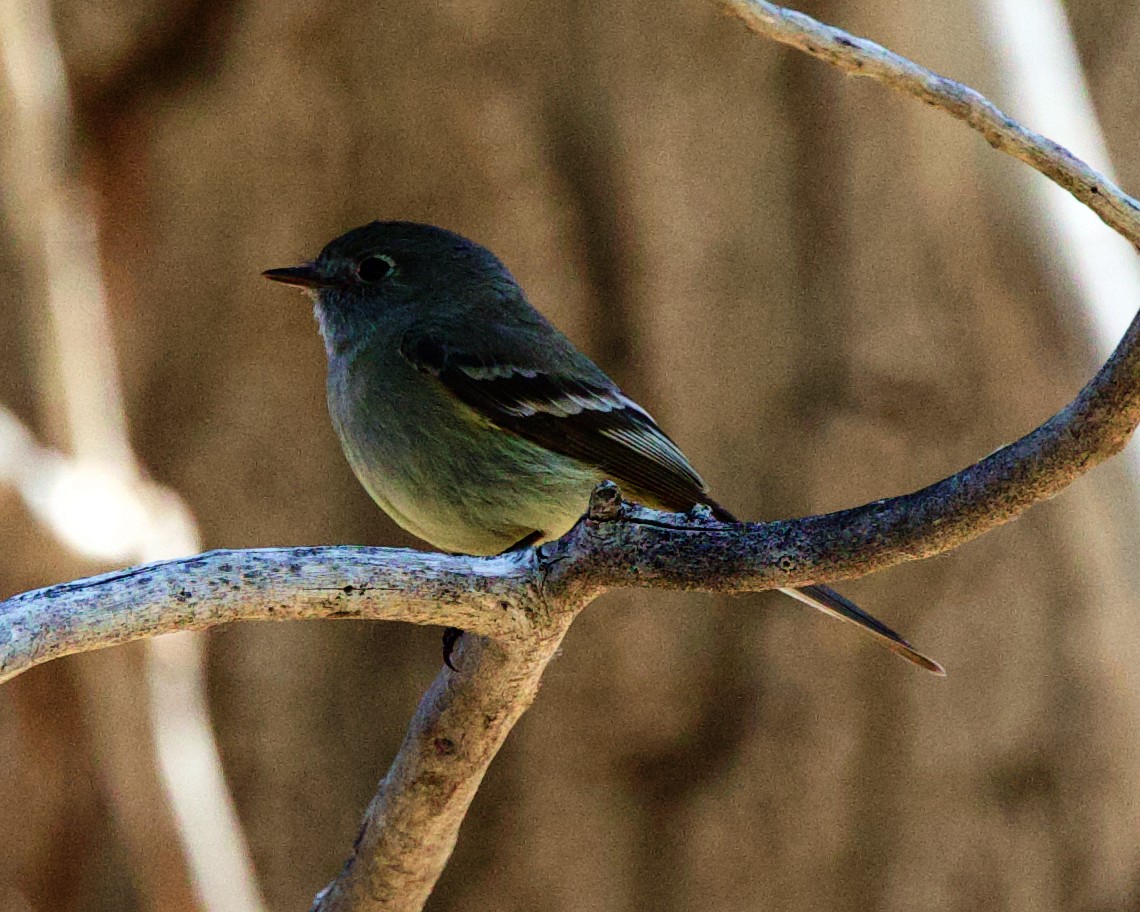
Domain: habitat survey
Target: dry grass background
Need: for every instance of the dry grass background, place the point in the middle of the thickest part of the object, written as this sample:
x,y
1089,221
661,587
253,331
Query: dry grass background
x,y
826,293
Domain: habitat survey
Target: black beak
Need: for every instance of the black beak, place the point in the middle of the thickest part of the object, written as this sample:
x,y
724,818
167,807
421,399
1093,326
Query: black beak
x,y
304,276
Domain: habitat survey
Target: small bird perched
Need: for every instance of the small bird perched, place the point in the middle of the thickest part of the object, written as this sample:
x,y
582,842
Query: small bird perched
x,y
470,419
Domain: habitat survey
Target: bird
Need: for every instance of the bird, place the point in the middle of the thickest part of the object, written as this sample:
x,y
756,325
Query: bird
x,y
471,420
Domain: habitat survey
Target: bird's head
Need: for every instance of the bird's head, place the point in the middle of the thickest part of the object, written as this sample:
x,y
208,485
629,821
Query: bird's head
x,y
370,274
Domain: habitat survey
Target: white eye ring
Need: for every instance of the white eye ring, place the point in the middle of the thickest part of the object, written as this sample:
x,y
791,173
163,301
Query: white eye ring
x,y
375,268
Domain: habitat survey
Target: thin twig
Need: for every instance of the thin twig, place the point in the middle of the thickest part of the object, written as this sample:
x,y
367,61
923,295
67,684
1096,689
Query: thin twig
x,y
861,57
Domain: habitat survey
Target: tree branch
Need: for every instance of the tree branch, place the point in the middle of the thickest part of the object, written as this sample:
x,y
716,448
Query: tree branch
x,y
861,57
411,825
660,550
482,595
527,601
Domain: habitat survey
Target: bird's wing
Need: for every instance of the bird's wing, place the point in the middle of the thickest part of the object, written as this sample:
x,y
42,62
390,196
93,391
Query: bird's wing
x,y
571,408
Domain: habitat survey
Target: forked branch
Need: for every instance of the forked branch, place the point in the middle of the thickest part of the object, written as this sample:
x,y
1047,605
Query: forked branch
x,y
526,602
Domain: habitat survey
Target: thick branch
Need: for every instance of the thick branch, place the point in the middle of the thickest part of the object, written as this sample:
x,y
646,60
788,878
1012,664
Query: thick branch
x,y
483,595
861,57
411,825
675,551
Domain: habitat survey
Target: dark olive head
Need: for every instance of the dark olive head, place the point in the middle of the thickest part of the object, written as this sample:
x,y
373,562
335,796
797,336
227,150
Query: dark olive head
x,y
369,272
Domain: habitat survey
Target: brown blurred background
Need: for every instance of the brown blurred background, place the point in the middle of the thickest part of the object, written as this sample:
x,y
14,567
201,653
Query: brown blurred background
x,y
825,292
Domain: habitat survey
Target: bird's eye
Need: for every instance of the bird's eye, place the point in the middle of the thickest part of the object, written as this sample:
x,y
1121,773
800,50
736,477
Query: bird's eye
x,y
375,268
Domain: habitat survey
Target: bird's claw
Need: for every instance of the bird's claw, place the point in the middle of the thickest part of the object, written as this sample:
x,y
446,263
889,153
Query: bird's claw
x,y
451,636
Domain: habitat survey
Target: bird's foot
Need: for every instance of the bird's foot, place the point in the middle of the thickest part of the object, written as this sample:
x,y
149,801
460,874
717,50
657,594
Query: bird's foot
x,y
451,636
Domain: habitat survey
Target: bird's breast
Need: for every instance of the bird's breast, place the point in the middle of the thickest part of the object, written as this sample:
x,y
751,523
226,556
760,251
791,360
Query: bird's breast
x,y
441,470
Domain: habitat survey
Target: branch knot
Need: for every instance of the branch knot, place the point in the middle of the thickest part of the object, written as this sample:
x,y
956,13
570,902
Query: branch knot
x,y
605,503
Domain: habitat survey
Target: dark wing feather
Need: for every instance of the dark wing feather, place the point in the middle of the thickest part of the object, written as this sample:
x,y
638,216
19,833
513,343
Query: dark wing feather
x,y
589,419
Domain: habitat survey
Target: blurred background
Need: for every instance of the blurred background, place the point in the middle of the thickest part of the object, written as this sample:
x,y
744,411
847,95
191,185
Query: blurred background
x,y
826,293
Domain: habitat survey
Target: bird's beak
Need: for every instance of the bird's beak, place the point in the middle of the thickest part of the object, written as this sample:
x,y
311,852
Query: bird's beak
x,y
304,276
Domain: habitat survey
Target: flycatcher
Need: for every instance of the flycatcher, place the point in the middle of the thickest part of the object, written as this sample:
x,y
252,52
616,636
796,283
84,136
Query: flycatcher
x,y
470,419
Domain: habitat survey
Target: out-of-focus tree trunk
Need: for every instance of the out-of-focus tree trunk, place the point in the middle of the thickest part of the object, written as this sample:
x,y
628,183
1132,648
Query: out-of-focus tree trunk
x,y
826,293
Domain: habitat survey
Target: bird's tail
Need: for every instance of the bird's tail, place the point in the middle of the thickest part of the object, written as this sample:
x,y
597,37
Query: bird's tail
x,y
831,602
